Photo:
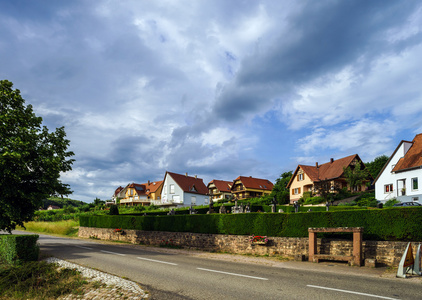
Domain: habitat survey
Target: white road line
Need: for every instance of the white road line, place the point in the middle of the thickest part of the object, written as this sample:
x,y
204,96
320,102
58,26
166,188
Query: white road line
x,y
234,274
158,261
83,247
351,292
113,253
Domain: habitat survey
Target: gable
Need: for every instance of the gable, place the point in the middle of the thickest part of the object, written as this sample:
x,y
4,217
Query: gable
x,y
412,158
189,184
255,183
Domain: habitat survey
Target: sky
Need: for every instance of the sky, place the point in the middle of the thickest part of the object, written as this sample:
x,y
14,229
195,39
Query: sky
x,y
215,88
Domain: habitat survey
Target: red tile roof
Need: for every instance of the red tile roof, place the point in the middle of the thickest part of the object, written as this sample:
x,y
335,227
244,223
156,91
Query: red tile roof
x,y
152,187
330,170
255,183
188,183
140,188
117,190
221,185
413,157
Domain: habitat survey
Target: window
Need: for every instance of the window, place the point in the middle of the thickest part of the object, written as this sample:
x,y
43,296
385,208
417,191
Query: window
x,y
193,200
206,201
296,191
171,188
414,184
300,177
415,198
388,188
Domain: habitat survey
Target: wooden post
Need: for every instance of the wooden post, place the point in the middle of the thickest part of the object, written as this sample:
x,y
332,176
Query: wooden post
x,y
357,246
312,244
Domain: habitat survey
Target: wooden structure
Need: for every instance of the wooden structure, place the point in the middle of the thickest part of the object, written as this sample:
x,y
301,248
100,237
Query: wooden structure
x,y
354,260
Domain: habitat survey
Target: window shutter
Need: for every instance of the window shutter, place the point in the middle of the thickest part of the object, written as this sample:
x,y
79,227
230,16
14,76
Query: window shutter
x,y
293,191
298,190
298,178
303,176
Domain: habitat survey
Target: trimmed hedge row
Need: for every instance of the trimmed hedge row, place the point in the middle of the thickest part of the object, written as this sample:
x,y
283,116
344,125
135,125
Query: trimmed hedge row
x,y
254,208
379,224
16,248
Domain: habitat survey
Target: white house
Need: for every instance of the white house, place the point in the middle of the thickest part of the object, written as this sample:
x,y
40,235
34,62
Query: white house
x,y
183,190
400,176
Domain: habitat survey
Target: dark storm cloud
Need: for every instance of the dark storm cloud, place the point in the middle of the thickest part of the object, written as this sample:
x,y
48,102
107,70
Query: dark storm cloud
x,y
323,38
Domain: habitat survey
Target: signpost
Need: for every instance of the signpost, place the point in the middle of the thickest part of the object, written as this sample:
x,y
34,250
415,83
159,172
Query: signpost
x,y
409,265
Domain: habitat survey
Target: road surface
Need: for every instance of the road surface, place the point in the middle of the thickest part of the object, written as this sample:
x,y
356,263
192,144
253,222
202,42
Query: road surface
x,y
181,276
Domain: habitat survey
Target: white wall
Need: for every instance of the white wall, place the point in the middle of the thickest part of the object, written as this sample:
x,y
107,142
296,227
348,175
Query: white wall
x,y
180,197
398,180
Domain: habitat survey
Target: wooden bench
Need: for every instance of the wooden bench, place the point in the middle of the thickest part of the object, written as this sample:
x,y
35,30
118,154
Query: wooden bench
x,y
354,260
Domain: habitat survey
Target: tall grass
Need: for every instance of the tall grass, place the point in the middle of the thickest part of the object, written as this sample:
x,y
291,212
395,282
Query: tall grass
x,y
67,227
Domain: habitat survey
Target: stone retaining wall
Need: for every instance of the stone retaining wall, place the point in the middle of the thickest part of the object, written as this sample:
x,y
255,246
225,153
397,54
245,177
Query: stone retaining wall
x,y
386,253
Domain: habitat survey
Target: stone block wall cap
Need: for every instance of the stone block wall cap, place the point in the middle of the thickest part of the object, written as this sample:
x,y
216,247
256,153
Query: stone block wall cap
x,y
335,229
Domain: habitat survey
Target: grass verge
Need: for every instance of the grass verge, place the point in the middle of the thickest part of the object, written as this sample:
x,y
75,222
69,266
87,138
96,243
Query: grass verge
x,y
67,228
40,280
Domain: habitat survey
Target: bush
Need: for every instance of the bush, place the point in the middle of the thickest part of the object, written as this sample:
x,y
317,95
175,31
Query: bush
x,y
385,224
391,202
17,248
314,200
114,210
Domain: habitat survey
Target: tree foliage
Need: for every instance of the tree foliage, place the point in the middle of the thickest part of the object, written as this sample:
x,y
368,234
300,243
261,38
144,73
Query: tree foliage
x,y
31,159
280,190
376,165
326,189
356,175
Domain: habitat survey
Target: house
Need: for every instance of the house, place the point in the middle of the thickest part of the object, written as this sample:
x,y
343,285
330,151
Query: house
x,y
140,193
183,190
51,207
219,190
305,177
153,189
115,196
399,177
134,194
248,187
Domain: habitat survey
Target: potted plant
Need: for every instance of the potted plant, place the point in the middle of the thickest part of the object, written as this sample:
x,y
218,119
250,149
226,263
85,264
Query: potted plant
x,y
258,239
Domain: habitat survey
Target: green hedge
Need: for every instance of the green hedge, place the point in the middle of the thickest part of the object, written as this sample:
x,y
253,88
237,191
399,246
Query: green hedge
x,y
379,224
16,248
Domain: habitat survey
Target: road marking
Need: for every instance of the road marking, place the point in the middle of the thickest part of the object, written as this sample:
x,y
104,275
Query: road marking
x,y
113,253
350,292
83,247
158,261
234,274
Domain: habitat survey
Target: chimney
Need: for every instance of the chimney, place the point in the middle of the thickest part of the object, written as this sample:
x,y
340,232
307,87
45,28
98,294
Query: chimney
x,y
316,164
331,160
148,182
196,176
186,174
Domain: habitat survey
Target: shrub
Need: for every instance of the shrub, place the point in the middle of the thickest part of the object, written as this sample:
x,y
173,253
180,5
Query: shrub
x,y
17,248
391,202
114,210
314,200
385,224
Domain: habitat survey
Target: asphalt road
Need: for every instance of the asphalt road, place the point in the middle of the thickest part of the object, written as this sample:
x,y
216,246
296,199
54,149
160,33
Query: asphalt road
x,y
181,276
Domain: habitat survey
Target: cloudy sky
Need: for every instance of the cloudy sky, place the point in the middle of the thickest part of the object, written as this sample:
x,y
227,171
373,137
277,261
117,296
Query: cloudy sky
x,y
215,88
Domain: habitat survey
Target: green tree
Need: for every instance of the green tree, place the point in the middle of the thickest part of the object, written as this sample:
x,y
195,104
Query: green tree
x,y
280,191
326,189
376,165
356,175
98,202
31,159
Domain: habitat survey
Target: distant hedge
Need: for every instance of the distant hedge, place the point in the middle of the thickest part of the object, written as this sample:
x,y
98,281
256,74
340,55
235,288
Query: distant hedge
x,y
16,248
254,208
379,224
